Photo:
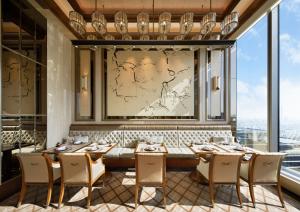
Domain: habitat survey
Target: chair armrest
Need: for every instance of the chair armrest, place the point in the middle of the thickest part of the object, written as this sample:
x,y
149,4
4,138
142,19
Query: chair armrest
x,y
98,161
50,160
203,160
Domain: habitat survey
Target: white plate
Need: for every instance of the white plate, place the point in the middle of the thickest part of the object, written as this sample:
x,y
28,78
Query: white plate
x,y
77,142
91,149
61,148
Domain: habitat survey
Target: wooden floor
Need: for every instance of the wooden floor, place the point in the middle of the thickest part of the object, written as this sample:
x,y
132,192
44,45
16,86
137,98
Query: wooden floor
x,y
183,194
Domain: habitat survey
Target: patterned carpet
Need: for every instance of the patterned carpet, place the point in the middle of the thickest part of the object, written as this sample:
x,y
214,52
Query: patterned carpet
x,y
183,194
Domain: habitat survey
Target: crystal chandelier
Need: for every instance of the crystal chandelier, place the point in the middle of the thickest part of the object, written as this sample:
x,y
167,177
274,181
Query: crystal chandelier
x,y
109,37
91,37
77,22
143,23
99,22
121,22
229,23
215,37
164,23
186,23
208,23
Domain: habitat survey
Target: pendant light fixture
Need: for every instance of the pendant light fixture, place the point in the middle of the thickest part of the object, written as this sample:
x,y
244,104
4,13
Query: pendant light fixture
x,y
208,22
186,23
164,24
77,22
121,22
108,37
143,23
91,37
229,23
98,21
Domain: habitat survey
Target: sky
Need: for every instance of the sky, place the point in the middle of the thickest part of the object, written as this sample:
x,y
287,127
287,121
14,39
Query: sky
x,y
252,67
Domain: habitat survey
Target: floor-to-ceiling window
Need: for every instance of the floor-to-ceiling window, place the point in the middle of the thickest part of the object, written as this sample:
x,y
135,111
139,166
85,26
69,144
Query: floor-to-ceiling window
x,y
252,87
290,84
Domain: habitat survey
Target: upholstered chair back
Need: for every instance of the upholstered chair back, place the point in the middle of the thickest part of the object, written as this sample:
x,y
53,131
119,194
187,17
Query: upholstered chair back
x,y
150,168
225,167
34,168
266,167
75,168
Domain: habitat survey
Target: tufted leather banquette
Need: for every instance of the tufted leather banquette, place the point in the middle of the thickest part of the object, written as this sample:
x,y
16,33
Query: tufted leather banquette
x,y
174,137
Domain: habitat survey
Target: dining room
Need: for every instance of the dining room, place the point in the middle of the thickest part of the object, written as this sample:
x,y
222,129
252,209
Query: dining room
x,y
148,105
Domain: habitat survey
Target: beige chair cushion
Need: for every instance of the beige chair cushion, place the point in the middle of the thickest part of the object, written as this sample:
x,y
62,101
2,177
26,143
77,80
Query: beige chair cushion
x,y
224,167
35,168
203,168
75,167
150,168
265,167
98,169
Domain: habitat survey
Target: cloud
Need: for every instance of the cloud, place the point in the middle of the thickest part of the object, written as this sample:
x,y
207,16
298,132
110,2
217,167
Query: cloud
x,y
289,100
252,100
291,6
290,47
242,55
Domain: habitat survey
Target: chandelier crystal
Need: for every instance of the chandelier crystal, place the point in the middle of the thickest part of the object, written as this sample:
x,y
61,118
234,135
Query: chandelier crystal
x,y
77,22
179,37
91,37
162,37
126,37
229,23
215,37
121,22
208,23
144,37
109,37
164,23
197,37
143,23
186,23
99,22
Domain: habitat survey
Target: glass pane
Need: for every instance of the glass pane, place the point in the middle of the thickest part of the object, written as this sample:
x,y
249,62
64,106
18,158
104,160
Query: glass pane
x,y
11,24
27,87
252,87
289,85
10,83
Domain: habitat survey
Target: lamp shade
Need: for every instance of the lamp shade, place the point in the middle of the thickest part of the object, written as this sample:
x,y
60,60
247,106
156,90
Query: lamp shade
x,y
229,23
208,23
77,22
121,22
143,23
99,22
186,23
164,23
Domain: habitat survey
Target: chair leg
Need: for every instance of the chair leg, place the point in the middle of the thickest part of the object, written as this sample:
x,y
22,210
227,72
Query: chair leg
x,y
280,194
252,194
61,194
50,188
165,192
211,193
89,198
238,191
22,194
136,195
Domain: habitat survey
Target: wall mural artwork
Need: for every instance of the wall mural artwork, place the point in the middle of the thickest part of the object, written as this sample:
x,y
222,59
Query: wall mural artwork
x,y
150,83
11,84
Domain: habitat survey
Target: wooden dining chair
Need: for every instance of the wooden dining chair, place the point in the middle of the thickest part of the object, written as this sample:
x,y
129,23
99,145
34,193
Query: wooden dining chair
x,y
78,169
150,171
37,168
221,168
263,169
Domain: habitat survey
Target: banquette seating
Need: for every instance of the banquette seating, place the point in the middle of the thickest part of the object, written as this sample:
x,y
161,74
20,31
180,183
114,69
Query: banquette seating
x,y
174,137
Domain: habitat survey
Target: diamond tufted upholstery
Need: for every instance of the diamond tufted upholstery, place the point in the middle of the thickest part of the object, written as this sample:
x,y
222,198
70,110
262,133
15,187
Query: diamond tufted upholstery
x,y
27,136
174,137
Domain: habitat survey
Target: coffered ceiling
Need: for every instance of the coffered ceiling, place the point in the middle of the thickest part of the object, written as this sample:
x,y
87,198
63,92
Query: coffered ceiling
x,y
61,9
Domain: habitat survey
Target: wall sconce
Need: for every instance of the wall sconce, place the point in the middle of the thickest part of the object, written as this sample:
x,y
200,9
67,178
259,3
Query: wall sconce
x,y
216,83
84,83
